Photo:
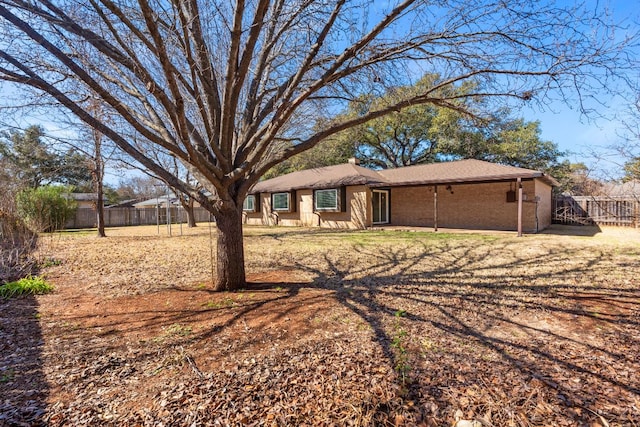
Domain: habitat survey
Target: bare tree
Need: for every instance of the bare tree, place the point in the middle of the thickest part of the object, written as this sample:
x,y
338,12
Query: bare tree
x,y
139,187
90,142
177,169
233,88
629,151
187,202
97,176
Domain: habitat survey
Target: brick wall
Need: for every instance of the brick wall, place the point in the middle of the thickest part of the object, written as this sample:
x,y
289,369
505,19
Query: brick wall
x,y
545,204
481,206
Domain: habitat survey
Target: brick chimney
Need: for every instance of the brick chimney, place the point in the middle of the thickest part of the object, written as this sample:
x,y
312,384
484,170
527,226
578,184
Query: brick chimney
x,y
354,161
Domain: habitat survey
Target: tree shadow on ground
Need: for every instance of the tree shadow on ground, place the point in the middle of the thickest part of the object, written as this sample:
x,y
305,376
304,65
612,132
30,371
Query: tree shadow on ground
x,y
23,386
464,324
461,317
469,319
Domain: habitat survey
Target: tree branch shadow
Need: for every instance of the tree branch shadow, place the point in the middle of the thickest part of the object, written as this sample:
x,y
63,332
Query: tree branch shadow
x,y
23,386
438,304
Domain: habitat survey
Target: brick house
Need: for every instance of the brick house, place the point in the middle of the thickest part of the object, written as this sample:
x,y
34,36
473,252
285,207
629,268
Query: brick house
x,y
471,194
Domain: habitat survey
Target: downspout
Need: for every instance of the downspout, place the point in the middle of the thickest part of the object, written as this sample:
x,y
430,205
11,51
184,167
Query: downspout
x,y
519,185
369,209
435,208
275,217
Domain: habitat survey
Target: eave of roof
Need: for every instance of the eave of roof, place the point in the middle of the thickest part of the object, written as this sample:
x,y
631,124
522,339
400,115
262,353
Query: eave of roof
x,y
161,201
84,196
319,178
459,171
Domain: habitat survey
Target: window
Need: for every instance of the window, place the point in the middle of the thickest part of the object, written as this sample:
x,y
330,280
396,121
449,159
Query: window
x,y
281,202
327,200
250,204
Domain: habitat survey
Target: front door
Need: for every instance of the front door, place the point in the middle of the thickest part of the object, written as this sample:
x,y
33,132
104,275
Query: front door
x,y
380,200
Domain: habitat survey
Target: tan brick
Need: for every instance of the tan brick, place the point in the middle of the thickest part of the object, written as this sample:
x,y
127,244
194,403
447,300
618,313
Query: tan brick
x,y
472,206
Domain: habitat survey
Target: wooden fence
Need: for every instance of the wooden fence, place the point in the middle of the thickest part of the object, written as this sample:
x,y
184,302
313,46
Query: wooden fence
x,y
600,210
121,217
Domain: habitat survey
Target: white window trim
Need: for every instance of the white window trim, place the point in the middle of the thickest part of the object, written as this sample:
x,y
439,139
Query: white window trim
x,y
336,208
288,208
244,204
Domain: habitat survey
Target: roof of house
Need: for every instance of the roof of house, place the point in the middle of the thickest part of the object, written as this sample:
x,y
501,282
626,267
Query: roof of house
x,y
469,170
434,173
83,197
318,178
157,201
125,203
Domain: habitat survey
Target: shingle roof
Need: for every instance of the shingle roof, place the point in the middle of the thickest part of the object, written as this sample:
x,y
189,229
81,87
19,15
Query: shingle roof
x,y
469,170
434,173
325,177
160,200
81,197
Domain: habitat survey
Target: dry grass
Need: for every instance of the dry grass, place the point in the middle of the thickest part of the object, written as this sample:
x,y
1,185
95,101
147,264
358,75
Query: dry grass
x,y
359,328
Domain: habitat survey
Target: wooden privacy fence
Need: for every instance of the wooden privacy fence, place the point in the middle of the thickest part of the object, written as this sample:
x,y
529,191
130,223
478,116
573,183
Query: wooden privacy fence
x,y
597,210
120,217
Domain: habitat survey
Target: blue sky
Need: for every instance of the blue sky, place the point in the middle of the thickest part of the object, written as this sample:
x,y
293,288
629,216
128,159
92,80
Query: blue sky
x,y
564,125
579,134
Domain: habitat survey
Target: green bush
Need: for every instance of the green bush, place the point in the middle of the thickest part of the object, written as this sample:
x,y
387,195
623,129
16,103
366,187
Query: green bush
x,y
45,208
32,285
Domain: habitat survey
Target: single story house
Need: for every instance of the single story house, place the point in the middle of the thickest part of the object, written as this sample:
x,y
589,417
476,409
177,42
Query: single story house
x,y
84,200
160,201
125,204
471,194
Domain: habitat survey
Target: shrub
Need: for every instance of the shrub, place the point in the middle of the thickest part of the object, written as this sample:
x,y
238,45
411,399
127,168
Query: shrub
x,y
45,208
32,285
17,242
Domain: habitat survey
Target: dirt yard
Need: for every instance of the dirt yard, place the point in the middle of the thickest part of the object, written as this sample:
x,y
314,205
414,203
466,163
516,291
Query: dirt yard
x,y
391,328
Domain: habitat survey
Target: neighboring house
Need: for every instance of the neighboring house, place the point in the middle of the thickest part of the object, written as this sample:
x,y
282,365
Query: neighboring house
x,y
471,194
160,201
124,204
85,200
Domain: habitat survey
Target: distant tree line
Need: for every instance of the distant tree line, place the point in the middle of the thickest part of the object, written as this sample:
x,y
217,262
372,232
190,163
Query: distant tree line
x,y
38,174
429,133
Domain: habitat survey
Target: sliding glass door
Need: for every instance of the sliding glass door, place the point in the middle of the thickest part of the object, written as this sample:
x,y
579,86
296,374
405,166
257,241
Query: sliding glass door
x,y
380,200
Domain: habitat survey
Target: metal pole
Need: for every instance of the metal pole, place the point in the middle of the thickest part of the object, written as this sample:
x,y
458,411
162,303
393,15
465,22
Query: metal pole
x,y
168,217
157,215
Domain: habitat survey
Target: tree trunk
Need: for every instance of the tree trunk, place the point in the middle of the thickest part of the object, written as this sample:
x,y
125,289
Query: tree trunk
x,y
98,177
97,174
230,257
100,208
191,216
